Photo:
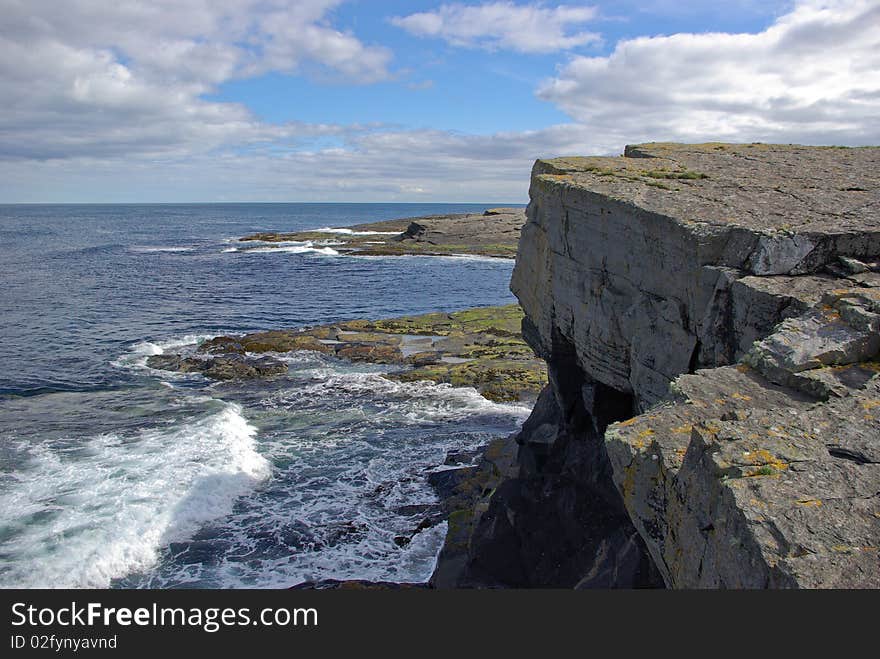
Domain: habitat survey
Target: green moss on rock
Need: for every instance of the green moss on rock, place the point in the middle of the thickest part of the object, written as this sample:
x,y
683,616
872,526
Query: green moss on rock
x,y
480,348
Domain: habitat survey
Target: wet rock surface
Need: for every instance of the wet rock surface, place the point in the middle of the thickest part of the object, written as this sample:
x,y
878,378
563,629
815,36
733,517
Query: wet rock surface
x,y
481,348
709,318
465,493
494,233
224,367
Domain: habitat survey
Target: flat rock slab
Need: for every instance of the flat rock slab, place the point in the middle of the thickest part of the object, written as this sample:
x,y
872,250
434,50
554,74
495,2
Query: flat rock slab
x,y
762,187
494,233
481,348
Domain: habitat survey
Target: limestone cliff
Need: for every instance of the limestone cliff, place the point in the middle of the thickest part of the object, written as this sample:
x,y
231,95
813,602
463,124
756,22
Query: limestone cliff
x,y
710,316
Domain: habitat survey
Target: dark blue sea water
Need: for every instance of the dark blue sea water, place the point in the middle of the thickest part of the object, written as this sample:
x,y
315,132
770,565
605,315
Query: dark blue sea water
x,y
112,474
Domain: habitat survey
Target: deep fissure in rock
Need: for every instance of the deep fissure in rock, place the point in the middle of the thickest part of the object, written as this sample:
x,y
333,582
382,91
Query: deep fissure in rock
x,y
562,523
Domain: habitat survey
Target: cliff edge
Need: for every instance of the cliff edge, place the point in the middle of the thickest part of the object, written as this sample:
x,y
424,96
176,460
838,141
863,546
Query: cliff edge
x,y
710,317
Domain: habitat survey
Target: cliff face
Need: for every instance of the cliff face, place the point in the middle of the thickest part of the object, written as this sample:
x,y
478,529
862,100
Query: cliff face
x,y
649,459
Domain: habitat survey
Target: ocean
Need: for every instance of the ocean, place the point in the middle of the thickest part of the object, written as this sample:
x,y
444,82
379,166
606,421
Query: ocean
x,y
116,475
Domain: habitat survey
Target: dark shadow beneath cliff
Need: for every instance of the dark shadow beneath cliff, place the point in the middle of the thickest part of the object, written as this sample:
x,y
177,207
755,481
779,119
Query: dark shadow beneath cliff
x,y
591,546
561,523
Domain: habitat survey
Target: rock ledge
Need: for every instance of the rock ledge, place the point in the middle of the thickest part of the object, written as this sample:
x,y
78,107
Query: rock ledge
x,y
709,315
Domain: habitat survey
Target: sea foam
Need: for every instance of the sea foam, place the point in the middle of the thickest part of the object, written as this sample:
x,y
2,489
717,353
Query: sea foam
x,y
158,250
307,247
136,356
79,521
351,232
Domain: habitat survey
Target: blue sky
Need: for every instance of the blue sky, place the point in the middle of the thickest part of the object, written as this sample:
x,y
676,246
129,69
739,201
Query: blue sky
x,y
442,86
334,100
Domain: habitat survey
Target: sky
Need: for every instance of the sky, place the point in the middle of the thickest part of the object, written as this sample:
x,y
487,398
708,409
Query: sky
x,y
113,101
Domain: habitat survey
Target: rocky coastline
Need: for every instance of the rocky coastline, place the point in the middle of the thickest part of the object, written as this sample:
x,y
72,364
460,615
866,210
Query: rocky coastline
x,y
699,332
493,233
710,316
480,348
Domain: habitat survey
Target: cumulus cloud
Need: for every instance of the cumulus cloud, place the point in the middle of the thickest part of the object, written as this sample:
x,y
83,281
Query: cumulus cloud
x,y
812,77
90,77
532,28
111,101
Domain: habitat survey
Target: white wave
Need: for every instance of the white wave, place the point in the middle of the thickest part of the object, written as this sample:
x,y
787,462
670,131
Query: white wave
x,y
302,248
410,402
351,232
288,243
85,520
276,243
449,257
350,450
150,250
474,257
137,355
359,446
370,559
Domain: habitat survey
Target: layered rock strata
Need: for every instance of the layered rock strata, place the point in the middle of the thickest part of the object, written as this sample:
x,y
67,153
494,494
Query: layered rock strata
x,y
709,318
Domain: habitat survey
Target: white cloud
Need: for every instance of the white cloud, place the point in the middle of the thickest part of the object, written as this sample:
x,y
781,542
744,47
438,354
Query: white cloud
x,y
812,77
110,102
531,28
90,77
368,164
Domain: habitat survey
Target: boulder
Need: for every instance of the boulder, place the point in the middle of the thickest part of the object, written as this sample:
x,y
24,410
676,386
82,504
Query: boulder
x,y
233,367
222,345
175,363
283,341
224,367
374,353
